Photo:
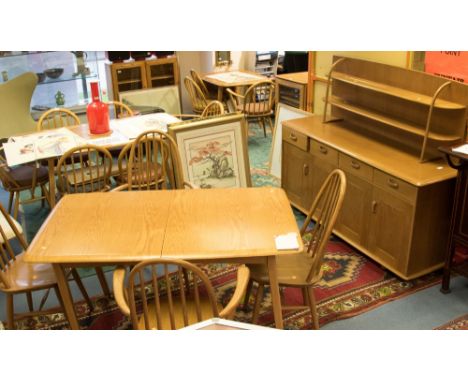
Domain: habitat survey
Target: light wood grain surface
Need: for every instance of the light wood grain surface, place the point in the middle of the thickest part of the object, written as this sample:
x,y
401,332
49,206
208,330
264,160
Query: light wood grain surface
x,y
224,84
103,228
206,224
378,154
124,227
300,77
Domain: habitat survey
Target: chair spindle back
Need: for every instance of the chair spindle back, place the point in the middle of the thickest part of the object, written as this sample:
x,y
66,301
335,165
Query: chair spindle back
x,y
163,287
259,98
56,118
154,162
214,108
84,169
324,210
196,95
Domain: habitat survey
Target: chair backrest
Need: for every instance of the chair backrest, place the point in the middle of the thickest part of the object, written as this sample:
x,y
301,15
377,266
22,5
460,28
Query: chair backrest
x,y
7,253
121,110
198,80
196,95
15,103
259,99
161,286
84,169
122,163
324,210
154,162
56,118
214,108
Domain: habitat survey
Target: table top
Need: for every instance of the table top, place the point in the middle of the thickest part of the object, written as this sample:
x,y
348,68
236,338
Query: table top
x,y
233,78
299,77
128,227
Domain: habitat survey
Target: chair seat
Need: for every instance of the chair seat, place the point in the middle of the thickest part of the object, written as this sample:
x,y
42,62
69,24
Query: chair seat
x,y
7,229
23,175
28,276
291,270
254,109
205,309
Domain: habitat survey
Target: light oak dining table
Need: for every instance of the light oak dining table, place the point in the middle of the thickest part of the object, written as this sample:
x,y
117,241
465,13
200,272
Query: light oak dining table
x,y
232,79
201,225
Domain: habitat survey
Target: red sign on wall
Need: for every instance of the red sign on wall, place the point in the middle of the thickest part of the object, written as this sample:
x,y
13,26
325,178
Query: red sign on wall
x,y
451,65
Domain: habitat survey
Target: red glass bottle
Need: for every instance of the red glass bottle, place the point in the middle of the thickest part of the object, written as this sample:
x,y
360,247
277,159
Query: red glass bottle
x,y
97,112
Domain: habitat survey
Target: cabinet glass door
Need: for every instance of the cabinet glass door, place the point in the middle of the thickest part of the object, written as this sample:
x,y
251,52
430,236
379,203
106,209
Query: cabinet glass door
x,y
161,75
130,78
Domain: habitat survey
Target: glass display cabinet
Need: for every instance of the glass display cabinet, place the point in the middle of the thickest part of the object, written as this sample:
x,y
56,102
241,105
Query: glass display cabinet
x,y
63,77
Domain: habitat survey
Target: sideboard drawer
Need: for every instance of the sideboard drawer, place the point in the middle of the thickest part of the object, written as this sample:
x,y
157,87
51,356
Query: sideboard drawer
x,y
355,167
325,152
297,139
396,185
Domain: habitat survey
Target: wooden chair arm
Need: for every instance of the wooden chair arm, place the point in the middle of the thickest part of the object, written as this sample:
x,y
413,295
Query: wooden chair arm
x,y
190,185
120,188
119,290
234,93
243,276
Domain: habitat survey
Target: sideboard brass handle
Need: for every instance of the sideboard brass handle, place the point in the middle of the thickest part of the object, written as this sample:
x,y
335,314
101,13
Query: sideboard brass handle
x,y
392,183
374,206
323,149
292,137
305,170
355,165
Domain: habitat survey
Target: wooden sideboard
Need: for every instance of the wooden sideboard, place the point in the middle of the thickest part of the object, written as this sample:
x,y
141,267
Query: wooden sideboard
x,y
398,203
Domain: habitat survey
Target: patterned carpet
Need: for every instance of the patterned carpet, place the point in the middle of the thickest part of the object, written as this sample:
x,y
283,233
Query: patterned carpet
x,y
460,323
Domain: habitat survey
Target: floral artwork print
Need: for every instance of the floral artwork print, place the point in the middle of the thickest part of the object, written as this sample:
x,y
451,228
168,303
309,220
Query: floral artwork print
x,y
211,162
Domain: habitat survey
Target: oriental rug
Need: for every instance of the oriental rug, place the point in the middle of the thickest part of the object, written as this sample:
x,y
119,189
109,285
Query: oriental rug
x,y
352,284
459,323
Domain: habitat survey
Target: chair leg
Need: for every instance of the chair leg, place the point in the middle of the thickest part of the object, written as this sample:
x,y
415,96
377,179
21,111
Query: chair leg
x,y
79,283
247,293
30,301
258,301
10,202
10,311
103,281
16,207
270,123
313,307
262,122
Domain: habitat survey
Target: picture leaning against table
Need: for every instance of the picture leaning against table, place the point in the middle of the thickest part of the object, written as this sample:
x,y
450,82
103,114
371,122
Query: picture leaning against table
x,y
182,196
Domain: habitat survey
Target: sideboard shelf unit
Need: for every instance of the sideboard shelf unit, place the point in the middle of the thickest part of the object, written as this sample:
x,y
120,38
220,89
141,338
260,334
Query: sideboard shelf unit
x,y
384,127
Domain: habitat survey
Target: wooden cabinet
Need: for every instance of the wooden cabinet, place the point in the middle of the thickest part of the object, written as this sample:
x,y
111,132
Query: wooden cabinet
x,y
143,74
384,126
291,89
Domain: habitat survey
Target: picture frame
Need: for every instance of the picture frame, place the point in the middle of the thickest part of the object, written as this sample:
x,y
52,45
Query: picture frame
x,y
213,151
283,113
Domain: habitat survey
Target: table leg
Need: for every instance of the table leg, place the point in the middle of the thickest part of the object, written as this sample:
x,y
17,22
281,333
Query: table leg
x,y
64,288
275,294
51,166
220,93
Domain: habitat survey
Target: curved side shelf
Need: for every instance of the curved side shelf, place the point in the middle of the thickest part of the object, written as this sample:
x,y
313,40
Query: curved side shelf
x,y
410,128
395,92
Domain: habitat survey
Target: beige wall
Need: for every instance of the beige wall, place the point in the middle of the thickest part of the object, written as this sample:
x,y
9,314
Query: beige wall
x,y
323,62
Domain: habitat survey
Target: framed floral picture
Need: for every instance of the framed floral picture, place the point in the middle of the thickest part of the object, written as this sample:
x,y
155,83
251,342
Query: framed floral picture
x,y
213,151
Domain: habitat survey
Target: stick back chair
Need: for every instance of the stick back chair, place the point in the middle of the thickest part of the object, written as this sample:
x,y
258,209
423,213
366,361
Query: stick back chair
x,y
84,169
121,110
56,118
258,102
173,294
17,276
305,270
201,84
154,163
20,178
197,98
213,109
